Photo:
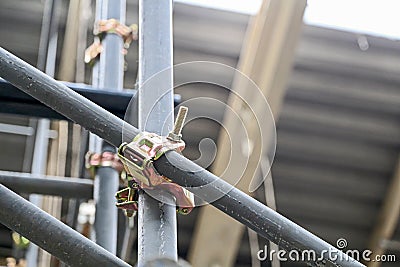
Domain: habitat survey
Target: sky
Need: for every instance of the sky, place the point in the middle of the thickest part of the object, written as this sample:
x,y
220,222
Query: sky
x,y
375,17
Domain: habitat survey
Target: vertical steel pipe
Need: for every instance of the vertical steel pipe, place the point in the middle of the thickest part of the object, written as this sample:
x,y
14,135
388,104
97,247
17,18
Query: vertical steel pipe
x,y
157,228
108,72
46,61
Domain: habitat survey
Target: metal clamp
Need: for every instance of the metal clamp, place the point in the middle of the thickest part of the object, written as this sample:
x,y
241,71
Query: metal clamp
x,y
184,199
127,198
139,155
105,159
128,34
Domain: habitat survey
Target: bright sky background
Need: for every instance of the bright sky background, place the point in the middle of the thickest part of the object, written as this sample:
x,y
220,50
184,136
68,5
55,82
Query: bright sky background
x,y
376,17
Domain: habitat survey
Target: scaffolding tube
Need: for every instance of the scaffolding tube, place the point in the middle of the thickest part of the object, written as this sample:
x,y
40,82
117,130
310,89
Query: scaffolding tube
x,y
51,234
108,72
157,225
47,185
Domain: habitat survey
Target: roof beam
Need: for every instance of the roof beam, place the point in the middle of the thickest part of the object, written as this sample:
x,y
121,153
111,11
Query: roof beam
x,y
266,58
387,220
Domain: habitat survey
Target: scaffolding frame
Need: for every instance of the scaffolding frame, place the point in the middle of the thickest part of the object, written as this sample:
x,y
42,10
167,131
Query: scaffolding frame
x,y
235,203
74,249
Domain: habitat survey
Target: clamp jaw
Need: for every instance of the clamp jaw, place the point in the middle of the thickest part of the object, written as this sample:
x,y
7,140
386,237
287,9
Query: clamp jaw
x,y
127,198
138,157
105,159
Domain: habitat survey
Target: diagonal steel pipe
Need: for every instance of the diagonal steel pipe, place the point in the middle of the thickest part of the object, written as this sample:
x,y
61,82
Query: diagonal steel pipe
x,y
265,221
51,234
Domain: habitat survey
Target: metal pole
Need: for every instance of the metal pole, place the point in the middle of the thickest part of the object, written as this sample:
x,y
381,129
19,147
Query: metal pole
x,y
157,228
39,163
50,234
128,240
108,73
47,185
236,204
48,11
46,60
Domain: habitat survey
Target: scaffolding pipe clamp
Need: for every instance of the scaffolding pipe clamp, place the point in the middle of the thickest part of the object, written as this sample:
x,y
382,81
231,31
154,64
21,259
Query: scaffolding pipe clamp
x,y
102,27
138,157
127,198
105,159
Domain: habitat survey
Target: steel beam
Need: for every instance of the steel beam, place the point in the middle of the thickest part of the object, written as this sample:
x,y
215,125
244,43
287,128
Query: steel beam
x,y
236,204
47,185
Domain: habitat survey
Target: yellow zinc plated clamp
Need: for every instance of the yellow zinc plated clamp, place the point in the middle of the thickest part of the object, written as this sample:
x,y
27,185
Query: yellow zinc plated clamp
x,y
138,157
128,34
104,159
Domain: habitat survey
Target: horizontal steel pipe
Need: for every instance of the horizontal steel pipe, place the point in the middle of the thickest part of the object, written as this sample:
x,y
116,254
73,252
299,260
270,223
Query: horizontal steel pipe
x,y
234,203
47,185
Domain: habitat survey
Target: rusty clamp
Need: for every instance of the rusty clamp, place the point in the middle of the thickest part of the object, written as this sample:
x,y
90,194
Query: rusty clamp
x,y
138,157
128,34
105,159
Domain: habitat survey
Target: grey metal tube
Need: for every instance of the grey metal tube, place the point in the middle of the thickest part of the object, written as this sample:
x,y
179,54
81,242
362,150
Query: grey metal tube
x,y
157,229
45,33
154,113
39,164
108,72
106,216
50,234
46,60
47,185
235,203
157,226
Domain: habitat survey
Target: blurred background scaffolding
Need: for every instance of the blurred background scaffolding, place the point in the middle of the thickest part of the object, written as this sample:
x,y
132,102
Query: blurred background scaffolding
x,y
335,95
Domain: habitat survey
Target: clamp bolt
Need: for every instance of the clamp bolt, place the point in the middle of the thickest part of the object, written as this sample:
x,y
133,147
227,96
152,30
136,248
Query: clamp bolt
x,y
176,134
